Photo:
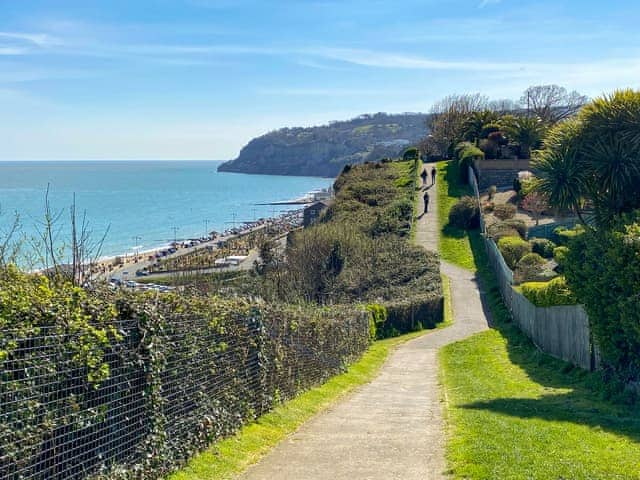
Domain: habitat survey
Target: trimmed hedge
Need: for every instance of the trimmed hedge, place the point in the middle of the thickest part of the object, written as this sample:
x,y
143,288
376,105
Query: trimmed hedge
x,y
549,294
416,312
466,153
513,249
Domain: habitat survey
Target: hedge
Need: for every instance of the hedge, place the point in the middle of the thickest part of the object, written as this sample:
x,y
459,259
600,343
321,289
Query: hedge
x,y
135,393
542,247
549,294
466,153
416,312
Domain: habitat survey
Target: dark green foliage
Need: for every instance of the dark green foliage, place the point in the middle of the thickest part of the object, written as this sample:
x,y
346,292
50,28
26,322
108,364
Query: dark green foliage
x,y
549,294
593,159
411,153
504,211
543,247
465,214
603,270
467,153
513,249
131,385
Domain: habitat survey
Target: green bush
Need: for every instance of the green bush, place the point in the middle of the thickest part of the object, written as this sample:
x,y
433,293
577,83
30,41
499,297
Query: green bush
x,y
467,153
564,235
416,312
529,268
465,214
549,294
504,211
603,270
513,249
507,228
543,247
560,256
411,153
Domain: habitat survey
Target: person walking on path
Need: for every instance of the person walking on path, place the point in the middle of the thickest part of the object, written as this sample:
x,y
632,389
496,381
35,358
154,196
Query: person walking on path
x,y
426,202
433,175
423,175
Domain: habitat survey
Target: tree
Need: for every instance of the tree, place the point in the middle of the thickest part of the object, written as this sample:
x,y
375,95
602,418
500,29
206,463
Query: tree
x,y
474,124
447,118
561,178
527,132
595,157
552,103
536,203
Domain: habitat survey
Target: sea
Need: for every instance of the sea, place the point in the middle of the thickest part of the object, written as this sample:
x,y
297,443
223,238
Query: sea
x,y
142,205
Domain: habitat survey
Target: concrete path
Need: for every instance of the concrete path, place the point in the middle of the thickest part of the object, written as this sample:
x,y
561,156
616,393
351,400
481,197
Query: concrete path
x,y
391,428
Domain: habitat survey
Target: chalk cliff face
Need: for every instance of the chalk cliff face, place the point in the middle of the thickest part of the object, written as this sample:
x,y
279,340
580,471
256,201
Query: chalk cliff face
x,y
323,151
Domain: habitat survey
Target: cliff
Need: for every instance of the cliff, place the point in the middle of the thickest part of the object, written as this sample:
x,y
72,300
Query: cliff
x,y
324,150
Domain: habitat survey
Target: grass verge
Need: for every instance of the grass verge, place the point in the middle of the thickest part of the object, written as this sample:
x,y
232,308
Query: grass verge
x,y
515,413
233,455
454,244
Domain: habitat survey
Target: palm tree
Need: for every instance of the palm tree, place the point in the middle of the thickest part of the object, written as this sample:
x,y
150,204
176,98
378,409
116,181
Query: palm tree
x,y
527,132
560,170
474,124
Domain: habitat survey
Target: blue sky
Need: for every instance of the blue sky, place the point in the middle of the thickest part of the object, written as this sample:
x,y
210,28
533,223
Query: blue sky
x,y
197,79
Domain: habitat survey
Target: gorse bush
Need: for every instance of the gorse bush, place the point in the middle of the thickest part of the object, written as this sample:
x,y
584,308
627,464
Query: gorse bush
x,y
465,214
549,294
513,249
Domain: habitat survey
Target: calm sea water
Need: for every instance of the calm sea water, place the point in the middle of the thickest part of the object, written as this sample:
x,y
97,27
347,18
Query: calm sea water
x,y
144,199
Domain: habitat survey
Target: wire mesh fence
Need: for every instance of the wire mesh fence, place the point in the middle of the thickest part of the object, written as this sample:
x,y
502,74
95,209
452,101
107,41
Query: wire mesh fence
x,y
172,388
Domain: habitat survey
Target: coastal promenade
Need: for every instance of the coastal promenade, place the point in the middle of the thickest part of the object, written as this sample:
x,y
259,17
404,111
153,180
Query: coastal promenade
x,y
393,427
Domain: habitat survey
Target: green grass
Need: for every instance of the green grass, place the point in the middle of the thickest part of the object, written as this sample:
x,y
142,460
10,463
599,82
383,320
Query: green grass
x,y
233,455
455,246
448,306
516,413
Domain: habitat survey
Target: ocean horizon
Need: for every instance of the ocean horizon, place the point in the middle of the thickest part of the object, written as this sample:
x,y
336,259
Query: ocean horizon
x,y
141,204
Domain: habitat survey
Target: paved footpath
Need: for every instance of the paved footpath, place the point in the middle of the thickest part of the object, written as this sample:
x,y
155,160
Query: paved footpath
x,y
391,428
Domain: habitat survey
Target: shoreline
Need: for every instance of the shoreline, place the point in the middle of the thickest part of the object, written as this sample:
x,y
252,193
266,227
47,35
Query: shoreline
x,y
132,261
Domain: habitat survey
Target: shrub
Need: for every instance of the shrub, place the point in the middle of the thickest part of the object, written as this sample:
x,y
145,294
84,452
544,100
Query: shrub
x,y
504,211
603,271
564,235
492,191
410,153
529,268
513,249
465,214
543,247
560,256
507,228
466,153
411,314
549,294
